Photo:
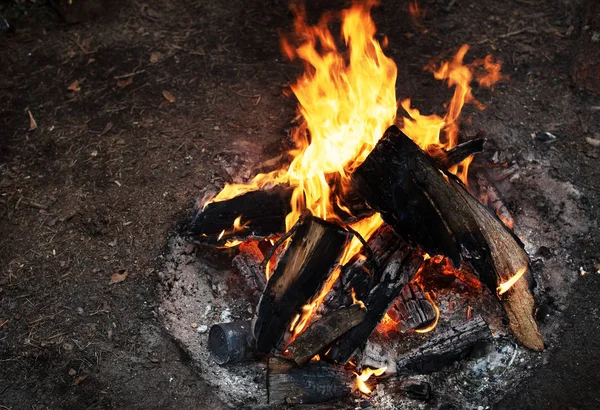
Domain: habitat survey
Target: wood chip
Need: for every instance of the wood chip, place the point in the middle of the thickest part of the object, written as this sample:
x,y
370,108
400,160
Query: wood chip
x,y
593,141
169,97
118,277
155,57
32,123
125,82
79,379
3,322
74,86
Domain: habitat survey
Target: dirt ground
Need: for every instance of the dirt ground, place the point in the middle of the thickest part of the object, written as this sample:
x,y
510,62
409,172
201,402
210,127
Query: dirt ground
x,y
140,109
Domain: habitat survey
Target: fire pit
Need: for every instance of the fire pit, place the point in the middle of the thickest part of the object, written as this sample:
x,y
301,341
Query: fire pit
x,y
373,255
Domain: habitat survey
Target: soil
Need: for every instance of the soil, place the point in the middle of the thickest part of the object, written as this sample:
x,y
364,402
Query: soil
x,y
141,109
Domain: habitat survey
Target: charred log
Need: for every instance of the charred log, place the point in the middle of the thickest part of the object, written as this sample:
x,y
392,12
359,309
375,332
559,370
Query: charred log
x,y
447,159
444,349
413,389
315,383
433,209
249,263
363,271
262,214
400,269
413,309
320,334
313,252
231,342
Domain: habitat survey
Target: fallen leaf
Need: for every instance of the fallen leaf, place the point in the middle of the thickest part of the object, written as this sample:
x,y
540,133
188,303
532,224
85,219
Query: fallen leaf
x,y
593,141
125,82
79,379
32,123
118,277
74,86
107,128
168,96
155,57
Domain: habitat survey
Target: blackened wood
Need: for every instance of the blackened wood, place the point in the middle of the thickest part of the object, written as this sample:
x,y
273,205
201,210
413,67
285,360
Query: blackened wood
x,y
262,212
363,271
413,308
447,159
321,333
231,342
314,250
433,209
413,389
444,349
249,263
399,270
315,383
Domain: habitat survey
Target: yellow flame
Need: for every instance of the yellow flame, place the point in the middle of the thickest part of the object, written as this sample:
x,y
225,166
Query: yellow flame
x,y
365,375
357,301
505,286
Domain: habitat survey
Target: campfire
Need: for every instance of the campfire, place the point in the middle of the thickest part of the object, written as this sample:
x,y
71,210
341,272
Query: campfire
x,y
344,245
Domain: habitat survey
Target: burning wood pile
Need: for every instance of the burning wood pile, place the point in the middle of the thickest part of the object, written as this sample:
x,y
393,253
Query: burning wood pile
x,y
338,243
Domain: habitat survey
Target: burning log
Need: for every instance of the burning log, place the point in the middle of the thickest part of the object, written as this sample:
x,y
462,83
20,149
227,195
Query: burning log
x,y
259,214
249,263
447,159
400,269
313,252
315,383
444,349
362,272
231,342
434,210
320,334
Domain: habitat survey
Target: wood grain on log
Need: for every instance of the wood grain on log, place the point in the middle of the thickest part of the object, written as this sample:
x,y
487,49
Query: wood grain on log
x,y
445,348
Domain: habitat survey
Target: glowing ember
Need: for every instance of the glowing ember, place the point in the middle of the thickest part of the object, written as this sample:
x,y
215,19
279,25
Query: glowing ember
x,y
365,375
505,286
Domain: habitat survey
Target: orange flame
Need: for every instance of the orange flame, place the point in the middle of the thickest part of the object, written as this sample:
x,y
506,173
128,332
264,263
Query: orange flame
x,y
505,286
364,376
357,301
433,132
237,227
